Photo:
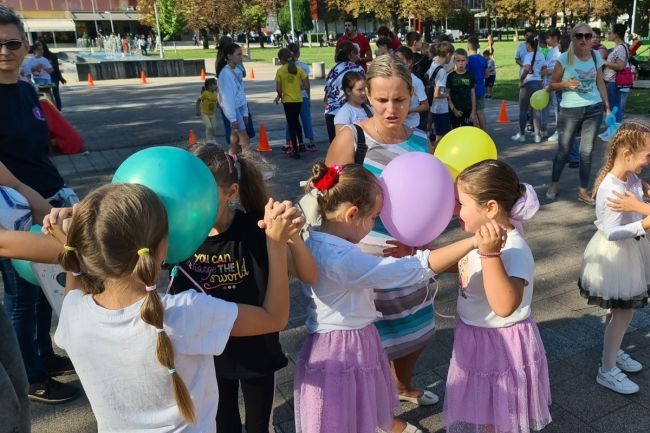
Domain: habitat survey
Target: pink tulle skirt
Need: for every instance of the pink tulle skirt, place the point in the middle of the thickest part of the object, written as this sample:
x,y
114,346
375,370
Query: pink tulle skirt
x,y
343,384
497,380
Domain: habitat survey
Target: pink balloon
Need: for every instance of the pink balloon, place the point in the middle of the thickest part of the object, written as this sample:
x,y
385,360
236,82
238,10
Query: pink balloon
x,y
418,198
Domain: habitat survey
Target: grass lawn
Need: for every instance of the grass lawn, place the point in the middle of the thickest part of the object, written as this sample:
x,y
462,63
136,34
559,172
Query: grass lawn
x,y
506,86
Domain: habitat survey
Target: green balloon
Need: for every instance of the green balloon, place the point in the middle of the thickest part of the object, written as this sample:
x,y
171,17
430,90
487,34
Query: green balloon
x,y
186,187
23,267
539,99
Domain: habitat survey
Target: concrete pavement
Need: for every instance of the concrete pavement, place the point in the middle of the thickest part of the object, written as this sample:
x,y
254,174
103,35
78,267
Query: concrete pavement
x,y
119,118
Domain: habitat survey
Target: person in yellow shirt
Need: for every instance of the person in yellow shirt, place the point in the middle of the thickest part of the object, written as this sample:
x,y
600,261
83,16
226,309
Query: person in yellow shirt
x,y
205,107
290,80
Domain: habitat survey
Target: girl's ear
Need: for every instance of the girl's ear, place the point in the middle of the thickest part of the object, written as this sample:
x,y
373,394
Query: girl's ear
x,y
492,208
232,192
351,214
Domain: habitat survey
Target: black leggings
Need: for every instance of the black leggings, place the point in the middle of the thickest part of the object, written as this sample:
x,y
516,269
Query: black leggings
x,y
292,113
258,404
331,129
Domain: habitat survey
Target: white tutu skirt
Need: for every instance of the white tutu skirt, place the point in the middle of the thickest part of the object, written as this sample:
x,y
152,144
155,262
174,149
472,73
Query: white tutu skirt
x,y
615,274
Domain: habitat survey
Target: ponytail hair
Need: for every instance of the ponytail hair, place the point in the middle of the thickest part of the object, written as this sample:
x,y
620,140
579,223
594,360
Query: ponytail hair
x,y
116,233
285,55
533,43
239,169
351,183
208,82
631,135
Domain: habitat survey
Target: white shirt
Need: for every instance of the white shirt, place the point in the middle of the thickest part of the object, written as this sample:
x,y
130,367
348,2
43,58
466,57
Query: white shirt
x,y
231,93
114,354
618,225
440,105
521,54
540,62
551,60
32,62
419,95
473,306
342,298
348,115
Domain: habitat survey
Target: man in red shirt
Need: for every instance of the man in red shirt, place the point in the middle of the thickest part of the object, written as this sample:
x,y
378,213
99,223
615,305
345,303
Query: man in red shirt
x,y
361,42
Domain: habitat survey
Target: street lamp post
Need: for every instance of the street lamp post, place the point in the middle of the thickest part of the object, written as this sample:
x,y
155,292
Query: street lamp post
x,y
92,4
110,17
633,17
293,35
159,37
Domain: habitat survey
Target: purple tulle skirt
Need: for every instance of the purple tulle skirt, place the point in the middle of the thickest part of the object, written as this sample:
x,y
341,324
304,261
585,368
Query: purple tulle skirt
x,y
343,384
497,380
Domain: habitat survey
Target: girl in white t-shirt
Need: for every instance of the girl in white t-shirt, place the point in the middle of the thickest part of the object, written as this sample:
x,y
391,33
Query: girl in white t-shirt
x,y
356,103
343,382
498,374
530,81
419,100
616,265
146,361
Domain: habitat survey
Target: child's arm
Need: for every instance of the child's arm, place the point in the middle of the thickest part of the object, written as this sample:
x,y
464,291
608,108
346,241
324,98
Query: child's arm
x,y
441,259
40,207
301,263
306,87
473,113
504,293
423,106
278,88
29,246
273,315
197,106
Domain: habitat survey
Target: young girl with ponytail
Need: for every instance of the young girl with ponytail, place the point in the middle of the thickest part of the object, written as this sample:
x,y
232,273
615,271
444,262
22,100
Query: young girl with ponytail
x,y
290,80
530,81
129,345
233,264
342,380
616,264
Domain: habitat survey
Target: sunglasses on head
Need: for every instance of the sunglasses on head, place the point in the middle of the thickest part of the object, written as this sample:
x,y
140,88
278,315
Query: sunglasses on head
x,y
12,44
585,36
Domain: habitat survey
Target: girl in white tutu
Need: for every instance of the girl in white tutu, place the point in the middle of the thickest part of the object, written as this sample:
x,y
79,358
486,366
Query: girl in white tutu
x,y
616,264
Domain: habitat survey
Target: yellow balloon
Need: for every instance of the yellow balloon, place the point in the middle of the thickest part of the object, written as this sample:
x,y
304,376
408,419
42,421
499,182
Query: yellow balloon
x,y
465,146
539,99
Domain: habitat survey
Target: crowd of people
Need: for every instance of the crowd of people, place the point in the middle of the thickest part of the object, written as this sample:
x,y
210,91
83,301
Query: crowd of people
x,y
177,361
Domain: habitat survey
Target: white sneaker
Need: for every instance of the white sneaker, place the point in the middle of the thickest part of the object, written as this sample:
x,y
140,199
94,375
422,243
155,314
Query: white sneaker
x,y
553,137
538,138
604,136
617,381
626,363
519,137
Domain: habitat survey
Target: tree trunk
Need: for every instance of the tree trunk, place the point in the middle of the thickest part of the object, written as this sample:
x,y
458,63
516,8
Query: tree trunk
x,y
426,29
554,20
204,37
489,23
261,35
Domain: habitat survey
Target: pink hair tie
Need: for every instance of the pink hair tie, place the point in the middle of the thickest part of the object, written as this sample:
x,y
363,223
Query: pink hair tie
x,y
76,274
524,208
150,288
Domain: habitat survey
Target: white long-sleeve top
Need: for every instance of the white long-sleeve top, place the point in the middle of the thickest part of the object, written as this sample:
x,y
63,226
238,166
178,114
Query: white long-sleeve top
x,y
231,93
342,298
618,225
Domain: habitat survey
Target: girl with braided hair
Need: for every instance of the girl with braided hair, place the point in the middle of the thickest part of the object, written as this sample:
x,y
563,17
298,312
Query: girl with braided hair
x,y
616,264
130,345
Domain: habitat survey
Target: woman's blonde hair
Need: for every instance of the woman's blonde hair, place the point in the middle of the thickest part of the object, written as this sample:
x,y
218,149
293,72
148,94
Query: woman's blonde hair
x,y
571,54
631,135
115,233
387,66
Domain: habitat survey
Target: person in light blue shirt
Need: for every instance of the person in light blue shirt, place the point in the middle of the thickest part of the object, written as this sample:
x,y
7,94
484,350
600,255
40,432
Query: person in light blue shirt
x,y
578,74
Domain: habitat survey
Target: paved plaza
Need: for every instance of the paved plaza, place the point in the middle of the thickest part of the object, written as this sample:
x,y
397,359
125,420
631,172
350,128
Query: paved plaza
x,y
121,117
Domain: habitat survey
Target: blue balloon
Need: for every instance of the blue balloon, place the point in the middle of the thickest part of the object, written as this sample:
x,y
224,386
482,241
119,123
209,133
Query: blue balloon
x,y
186,187
23,267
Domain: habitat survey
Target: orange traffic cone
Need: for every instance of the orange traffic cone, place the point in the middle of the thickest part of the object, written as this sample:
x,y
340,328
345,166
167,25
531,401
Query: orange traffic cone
x,y
143,77
192,138
503,115
203,74
91,83
252,74
264,140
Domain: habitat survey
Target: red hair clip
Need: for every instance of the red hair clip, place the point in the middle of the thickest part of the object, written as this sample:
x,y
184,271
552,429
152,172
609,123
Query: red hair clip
x,y
330,178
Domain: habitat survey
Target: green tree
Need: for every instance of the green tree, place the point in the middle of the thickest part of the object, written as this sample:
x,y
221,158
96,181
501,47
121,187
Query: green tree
x,y
301,17
172,22
254,17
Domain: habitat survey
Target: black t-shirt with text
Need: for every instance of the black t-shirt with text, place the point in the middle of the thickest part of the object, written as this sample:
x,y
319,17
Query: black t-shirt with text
x,y
234,266
460,87
25,139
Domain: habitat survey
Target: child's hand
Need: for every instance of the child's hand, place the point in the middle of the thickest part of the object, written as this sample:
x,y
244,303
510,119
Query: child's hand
x,y
399,250
277,220
490,238
457,113
277,99
57,222
623,202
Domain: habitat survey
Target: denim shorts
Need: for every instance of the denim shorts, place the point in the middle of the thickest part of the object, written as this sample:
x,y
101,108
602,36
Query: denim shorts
x,y
480,103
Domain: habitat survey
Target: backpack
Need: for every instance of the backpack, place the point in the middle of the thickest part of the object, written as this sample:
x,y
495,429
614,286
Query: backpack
x,y
431,84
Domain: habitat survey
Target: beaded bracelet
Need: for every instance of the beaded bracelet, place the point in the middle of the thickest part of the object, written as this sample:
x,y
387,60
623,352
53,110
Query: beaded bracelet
x,y
488,255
